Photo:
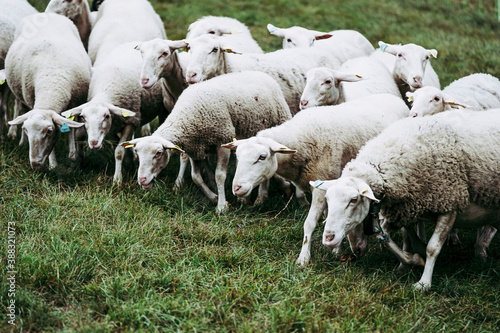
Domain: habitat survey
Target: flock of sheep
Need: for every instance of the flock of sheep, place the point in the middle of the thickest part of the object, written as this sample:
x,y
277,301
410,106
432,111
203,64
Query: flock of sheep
x,y
362,129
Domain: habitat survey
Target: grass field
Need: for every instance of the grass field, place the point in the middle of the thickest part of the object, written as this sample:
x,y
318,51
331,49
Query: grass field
x,y
91,257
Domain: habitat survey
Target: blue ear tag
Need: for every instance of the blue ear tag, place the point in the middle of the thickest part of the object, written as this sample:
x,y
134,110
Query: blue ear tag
x,y
318,183
64,128
383,47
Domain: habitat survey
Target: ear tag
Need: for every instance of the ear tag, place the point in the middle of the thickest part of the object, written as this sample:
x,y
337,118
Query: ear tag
x,y
66,114
129,145
71,118
364,191
383,46
271,28
409,98
125,113
359,76
2,81
64,128
234,32
434,53
318,183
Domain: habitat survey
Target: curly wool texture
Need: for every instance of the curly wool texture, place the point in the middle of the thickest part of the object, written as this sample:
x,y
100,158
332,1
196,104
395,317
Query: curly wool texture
x,y
328,137
216,111
435,164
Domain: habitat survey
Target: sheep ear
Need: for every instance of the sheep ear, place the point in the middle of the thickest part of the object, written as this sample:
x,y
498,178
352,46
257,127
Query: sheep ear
x,y
322,184
120,112
61,121
392,49
433,52
131,143
347,77
323,36
19,120
179,44
169,145
365,189
455,105
226,31
275,31
409,96
75,111
231,51
233,145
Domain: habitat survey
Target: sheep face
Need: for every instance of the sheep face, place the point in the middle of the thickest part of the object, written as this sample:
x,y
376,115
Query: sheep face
x,y
69,8
411,61
158,59
97,120
154,154
348,200
207,58
42,129
297,36
428,101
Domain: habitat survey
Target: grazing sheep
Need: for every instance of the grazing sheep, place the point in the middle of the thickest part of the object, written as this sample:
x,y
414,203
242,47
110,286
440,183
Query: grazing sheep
x,y
236,34
210,58
410,65
475,92
446,166
356,78
315,144
236,105
49,70
122,21
346,44
77,11
12,13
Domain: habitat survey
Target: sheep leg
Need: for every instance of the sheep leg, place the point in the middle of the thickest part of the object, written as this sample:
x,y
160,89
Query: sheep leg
x,y
301,196
483,240
223,156
198,180
120,154
318,205
421,231
358,241
4,109
283,184
443,226
72,146
403,256
146,130
263,193
18,107
52,159
179,181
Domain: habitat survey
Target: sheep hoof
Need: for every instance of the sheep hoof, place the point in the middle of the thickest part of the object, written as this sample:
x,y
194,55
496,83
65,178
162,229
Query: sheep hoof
x,y
222,208
421,286
302,261
12,133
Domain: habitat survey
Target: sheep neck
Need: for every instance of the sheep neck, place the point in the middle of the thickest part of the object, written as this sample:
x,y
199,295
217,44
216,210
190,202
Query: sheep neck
x,y
83,24
174,80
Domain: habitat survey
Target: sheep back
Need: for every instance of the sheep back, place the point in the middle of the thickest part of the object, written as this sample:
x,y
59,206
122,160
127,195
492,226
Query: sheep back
x,y
477,91
213,112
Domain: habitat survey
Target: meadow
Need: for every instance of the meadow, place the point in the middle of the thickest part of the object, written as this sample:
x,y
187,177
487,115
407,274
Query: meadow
x,y
93,257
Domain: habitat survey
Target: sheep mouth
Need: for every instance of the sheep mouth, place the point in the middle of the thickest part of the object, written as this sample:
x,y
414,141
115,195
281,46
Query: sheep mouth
x,y
147,186
329,240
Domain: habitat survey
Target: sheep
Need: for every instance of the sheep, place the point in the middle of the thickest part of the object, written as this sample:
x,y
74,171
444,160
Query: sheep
x,y
210,58
346,44
315,144
356,78
208,114
445,167
12,13
48,69
121,21
410,65
77,11
475,92
236,34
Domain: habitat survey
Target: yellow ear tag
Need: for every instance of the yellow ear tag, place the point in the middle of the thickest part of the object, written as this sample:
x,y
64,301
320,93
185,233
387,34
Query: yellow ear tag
x,y
129,145
359,76
434,53
364,191
66,114
409,98
125,113
2,81
71,118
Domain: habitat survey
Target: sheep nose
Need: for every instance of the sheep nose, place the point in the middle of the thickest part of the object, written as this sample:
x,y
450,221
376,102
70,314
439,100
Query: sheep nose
x,y
94,144
192,77
144,82
143,180
414,115
36,165
236,189
303,103
417,81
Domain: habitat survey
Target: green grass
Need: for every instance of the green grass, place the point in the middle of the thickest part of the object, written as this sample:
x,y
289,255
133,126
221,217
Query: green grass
x,y
95,258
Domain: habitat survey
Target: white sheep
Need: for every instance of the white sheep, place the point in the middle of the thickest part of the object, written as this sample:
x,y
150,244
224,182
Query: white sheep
x,y
210,58
475,92
236,34
122,21
315,144
49,70
346,44
356,78
12,13
208,114
445,166
77,11
410,65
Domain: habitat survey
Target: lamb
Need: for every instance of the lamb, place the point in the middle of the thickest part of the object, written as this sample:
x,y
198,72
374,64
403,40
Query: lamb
x,y
356,78
346,44
410,65
236,105
445,166
315,144
475,92
12,13
48,69
210,58
236,34
77,11
115,25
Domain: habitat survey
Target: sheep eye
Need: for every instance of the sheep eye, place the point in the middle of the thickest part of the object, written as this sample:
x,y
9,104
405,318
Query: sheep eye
x,y
328,82
49,131
262,157
426,57
214,50
289,40
211,32
400,55
106,116
353,200
437,99
158,153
